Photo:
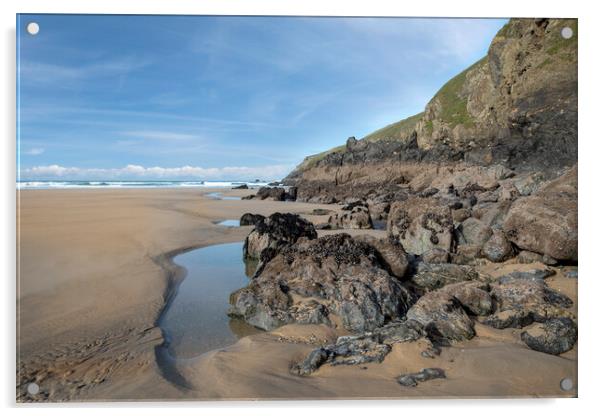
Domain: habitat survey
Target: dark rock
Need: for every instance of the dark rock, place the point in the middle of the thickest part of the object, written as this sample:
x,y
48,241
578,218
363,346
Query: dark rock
x,y
392,254
536,274
347,351
427,193
354,216
412,379
498,248
434,276
277,194
443,311
251,219
347,276
243,186
365,348
276,231
321,211
522,301
554,336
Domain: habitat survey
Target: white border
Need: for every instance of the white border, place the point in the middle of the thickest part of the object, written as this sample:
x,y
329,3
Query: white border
x,y
589,156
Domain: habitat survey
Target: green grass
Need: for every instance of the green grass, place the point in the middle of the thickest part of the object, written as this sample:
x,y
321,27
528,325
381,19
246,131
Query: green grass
x,y
560,44
453,105
395,131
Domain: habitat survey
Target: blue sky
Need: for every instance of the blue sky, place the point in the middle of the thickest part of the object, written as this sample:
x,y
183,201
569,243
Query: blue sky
x,y
201,97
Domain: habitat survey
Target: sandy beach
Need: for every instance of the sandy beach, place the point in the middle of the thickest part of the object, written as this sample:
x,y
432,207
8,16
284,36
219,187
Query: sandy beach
x,y
95,271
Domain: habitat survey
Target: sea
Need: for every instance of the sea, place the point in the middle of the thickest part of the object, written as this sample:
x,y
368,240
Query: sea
x,y
137,184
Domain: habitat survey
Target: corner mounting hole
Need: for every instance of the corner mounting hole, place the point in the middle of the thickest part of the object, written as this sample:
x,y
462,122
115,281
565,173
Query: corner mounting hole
x,y
566,384
566,32
33,28
33,389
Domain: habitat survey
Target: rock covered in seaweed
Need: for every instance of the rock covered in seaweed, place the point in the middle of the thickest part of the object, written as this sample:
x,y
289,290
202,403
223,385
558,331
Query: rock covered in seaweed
x,y
342,275
276,231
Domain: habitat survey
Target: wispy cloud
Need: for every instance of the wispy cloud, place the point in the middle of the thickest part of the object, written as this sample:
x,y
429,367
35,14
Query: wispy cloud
x,y
158,135
38,72
157,172
34,151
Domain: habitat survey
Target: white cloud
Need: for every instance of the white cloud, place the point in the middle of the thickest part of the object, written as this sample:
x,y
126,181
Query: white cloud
x,y
158,135
34,151
157,172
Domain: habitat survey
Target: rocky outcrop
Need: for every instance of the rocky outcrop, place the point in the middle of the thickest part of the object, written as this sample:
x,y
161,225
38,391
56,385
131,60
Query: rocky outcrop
x,y
546,222
516,107
421,224
275,232
522,300
275,194
251,219
443,312
310,280
555,336
412,379
365,348
353,216
434,276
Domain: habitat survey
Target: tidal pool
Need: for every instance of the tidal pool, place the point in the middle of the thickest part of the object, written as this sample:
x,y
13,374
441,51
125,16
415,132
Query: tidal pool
x,y
229,223
196,320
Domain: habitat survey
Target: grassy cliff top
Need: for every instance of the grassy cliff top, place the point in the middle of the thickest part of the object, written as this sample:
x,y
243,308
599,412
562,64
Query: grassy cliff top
x,y
394,131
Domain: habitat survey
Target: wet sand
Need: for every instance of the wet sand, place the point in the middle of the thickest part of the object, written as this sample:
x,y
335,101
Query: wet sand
x,y
95,272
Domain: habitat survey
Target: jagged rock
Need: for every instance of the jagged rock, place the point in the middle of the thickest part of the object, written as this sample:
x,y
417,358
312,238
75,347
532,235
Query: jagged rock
x,y
466,254
354,216
346,351
554,336
535,274
546,222
435,256
412,379
443,311
251,219
243,186
277,194
434,276
421,224
498,248
526,257
347,276
276,231
391,252
521,301
459,215
369,347
400,331
474,232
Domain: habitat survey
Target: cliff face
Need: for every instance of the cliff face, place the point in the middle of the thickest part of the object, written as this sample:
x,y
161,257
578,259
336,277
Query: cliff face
x,y
516,107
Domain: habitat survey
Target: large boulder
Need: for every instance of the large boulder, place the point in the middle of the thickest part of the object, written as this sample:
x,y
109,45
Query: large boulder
x,y
523,299
434,276
421,224
498,248
555,336
546,222
251,219
443,312
353,216
276,231
274,193
340,274
474,232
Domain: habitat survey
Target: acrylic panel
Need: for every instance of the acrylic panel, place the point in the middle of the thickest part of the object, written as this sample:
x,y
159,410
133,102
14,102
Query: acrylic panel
x,y
242,208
